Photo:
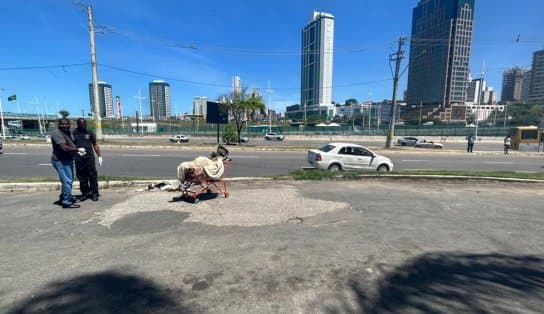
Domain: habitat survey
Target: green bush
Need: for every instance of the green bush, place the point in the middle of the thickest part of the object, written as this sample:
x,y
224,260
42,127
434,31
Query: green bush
x,y
229,134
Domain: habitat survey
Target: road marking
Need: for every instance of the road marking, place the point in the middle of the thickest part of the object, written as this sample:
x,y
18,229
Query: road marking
x,y
138,155
521,171
44,164
16,153
414,160
497,162
244,156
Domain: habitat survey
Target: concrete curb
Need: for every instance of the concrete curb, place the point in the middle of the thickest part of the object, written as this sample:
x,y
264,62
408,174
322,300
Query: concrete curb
x,y
55,186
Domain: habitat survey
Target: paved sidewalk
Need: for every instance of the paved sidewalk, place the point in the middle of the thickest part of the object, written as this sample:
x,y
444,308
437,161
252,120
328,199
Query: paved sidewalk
x,y
369,246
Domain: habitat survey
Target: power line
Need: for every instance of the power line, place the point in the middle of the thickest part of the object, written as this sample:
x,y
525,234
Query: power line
x,y
38,67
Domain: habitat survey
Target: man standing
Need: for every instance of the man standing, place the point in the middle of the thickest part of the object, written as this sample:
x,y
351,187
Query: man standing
x,y
470,144
85,165
62,159
507,143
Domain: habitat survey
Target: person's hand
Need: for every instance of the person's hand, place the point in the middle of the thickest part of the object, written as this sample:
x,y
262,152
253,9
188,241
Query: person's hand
x,y
81,151
100,160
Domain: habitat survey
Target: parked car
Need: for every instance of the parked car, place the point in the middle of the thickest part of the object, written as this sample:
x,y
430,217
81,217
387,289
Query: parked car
x,y
179,138
407,141
274,137
244,139
428,144
348,156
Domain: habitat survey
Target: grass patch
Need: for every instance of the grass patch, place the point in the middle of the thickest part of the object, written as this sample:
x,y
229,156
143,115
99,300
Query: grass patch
x,y
318,174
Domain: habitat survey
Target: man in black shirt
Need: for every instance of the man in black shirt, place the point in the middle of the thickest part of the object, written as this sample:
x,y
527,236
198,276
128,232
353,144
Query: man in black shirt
x,y
62,158
85,165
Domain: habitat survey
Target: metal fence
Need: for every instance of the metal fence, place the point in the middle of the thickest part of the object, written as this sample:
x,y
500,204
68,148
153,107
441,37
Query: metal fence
x,y
255,131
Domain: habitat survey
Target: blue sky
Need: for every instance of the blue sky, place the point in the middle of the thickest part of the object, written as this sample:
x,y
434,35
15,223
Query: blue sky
x,y
256,40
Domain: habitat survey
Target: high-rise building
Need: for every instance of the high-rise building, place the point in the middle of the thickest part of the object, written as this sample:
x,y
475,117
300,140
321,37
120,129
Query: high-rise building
x,y
440,54
512,84
317,56
536,89
236,85
159,100
105,99
200,106
525,86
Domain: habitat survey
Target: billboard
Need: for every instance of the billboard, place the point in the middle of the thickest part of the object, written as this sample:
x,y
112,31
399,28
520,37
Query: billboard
x,y
216,113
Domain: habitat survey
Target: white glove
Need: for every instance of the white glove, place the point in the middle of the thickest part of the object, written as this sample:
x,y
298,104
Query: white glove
x,y
81,151
100,160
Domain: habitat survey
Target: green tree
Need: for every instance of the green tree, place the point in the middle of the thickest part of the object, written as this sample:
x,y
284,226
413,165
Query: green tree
x,y
239,104
351,102
229,134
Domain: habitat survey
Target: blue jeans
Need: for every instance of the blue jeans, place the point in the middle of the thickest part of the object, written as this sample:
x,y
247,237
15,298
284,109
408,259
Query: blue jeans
x,y
65,170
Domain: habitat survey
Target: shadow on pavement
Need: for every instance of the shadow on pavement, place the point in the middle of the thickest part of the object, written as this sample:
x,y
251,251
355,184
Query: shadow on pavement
x,y
454,283
105,292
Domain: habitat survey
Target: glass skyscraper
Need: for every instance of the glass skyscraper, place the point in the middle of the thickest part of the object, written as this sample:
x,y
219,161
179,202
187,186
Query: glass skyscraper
x,y
438,74
159,100
105,99
317,56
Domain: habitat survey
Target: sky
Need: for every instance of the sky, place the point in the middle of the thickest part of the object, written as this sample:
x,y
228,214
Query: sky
x,y
197,46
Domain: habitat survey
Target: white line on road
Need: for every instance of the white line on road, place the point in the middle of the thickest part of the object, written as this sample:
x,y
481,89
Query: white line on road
x,y
44,164
244,156
138,155
414,160
498,162
16,153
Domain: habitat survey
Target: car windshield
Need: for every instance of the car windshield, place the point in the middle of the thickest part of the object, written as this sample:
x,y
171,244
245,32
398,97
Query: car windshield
x,y
327,148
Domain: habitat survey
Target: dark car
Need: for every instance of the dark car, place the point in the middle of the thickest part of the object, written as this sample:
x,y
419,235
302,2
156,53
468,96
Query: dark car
x,y
407,141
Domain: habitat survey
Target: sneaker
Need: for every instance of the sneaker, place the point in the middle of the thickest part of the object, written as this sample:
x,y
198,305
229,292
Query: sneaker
x,y
70,206
94,198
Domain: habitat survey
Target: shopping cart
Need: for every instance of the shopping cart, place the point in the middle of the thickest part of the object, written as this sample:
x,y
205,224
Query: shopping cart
x,y
198,182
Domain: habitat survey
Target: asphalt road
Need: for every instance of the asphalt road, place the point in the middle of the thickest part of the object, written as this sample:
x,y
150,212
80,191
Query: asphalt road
x,y
33,161
373,246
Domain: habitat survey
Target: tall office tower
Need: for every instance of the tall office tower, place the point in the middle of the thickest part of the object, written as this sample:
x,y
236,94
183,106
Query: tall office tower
x,y
536,89
200,106
440,53
512,84
317,56
525,86
159,100
236,85
474,89
105,99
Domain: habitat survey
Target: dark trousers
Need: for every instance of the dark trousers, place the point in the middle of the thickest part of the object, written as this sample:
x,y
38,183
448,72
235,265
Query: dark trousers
x,y
469,147
87,176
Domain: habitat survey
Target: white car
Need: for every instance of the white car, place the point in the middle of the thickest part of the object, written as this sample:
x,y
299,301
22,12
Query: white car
x,y
179,139
274,137
348,156
428,144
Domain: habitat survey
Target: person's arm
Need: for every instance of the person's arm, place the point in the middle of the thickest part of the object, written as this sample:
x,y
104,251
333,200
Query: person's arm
x,y
67,148
97,150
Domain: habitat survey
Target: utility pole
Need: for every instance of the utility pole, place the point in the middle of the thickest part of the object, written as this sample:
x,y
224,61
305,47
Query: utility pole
x,y
96,105
398,56
269,91
140,98
480,100
2,114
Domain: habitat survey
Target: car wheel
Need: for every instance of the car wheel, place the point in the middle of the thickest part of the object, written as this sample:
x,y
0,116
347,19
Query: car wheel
x,y
335,167
383,168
